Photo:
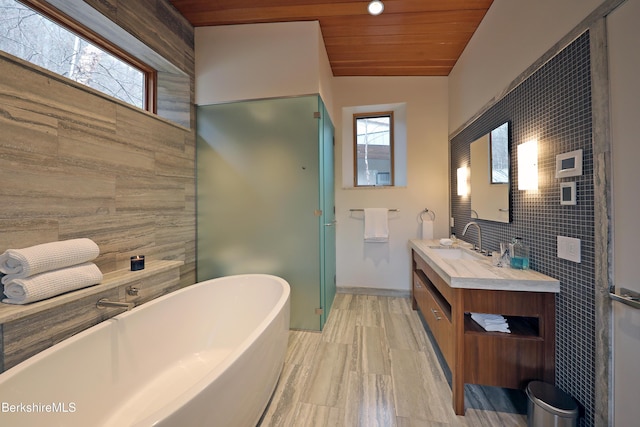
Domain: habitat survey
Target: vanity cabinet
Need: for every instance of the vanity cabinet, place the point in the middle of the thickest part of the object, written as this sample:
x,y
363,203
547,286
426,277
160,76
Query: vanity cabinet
x,y
474,355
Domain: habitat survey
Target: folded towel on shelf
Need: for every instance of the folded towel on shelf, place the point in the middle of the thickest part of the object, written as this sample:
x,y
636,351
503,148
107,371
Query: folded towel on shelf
x,y
20,263
46,285
491,322
376,225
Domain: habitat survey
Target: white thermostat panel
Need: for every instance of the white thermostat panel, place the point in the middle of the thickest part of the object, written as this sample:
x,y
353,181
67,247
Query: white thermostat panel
x,y
569,164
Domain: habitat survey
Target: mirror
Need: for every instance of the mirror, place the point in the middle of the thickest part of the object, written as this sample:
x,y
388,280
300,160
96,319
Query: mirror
x,y
490,176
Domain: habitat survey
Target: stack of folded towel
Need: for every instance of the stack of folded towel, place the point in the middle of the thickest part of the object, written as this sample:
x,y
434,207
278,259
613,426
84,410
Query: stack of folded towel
x,y
44,271
491,322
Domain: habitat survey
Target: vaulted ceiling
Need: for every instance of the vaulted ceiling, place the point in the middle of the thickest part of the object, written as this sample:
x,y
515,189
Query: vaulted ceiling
x,y
410,38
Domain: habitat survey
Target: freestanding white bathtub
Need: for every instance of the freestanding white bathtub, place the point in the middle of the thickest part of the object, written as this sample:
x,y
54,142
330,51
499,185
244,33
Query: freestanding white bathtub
x,y
207,355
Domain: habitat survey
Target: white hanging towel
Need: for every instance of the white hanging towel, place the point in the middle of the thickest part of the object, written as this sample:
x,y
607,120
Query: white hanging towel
x,y
376,225
427,229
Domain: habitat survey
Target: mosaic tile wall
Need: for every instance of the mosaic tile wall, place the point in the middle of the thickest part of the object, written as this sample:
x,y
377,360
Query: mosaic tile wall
x,y
554,106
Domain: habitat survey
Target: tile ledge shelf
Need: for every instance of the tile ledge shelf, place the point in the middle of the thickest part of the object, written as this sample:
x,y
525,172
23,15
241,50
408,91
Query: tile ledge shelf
x,y
114,279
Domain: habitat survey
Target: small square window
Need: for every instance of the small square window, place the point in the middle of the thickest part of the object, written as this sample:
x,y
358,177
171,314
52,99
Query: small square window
x,y
373,149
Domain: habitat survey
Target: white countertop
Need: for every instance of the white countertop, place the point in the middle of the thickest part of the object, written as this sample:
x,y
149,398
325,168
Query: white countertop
x,y
480,273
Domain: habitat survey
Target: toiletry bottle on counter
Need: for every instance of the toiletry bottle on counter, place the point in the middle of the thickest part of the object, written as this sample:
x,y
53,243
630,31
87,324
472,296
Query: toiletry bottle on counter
x,y
519,254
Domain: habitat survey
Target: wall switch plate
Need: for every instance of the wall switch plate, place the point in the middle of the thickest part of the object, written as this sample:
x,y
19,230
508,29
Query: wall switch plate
x,y
568,193
451,222
569,248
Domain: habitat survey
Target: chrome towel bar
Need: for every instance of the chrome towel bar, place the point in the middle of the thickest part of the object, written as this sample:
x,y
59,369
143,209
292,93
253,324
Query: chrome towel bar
x,y
362,210
627,297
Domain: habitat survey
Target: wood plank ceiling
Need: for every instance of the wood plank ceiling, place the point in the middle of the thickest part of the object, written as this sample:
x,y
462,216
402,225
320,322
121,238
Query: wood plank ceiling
x,y
410,38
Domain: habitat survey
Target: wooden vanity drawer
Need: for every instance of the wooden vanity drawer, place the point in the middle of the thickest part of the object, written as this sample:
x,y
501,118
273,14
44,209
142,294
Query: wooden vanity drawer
x,y
437,316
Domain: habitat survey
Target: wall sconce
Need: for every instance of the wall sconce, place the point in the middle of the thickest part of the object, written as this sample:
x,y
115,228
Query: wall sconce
x,y
528,165
463,181
375,7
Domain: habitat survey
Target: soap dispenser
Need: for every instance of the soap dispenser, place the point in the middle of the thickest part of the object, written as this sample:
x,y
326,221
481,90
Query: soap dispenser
x,y
519,254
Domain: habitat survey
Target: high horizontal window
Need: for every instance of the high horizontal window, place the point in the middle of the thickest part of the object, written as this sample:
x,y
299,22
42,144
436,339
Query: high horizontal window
x,y
35,34
373,149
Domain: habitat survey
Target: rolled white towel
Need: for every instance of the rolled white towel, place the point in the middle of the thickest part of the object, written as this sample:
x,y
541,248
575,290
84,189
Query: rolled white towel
x,y
19,263
51,283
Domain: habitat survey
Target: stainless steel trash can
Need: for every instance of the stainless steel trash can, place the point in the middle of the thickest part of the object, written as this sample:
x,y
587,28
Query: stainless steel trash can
x,y
550,407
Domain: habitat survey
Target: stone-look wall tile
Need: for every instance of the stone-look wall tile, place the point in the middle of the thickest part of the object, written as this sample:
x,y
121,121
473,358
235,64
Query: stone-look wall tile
x,y
169,31
187,275
149,194
28,336
173,252
175,105
30,191
174,165
108,8
102,152
120,232
32,328
19,233
152,287
36,90
30,136
171,230
78,164
161,137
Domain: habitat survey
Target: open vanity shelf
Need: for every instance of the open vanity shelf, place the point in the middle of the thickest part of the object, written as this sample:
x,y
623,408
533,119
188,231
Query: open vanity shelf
x,y
474,355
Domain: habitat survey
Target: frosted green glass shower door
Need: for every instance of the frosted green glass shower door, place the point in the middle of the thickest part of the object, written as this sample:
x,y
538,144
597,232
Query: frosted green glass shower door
x,y
328,224
258,181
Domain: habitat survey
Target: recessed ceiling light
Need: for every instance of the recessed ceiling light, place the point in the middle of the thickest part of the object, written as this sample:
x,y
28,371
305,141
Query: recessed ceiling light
x,y
375,7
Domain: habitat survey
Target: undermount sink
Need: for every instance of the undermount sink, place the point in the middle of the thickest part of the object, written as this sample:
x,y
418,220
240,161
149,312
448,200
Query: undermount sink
x,y
455,253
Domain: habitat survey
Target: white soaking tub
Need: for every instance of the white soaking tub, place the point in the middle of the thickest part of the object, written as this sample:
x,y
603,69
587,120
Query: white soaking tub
x,y
207,355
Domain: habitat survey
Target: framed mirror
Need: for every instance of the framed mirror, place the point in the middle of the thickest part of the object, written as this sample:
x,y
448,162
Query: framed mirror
x,y
490,199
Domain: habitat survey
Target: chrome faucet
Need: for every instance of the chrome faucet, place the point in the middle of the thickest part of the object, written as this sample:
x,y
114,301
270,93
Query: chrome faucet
x,y
105,303
466,227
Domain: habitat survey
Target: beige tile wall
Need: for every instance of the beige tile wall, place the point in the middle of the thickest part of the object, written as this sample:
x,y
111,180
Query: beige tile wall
x,y
74,163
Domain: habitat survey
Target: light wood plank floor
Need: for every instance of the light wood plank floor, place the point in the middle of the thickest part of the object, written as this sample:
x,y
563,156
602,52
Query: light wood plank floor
x,y
374,365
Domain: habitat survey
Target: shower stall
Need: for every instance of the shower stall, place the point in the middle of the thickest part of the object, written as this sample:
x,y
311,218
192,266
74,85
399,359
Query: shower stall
x,y
265,198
